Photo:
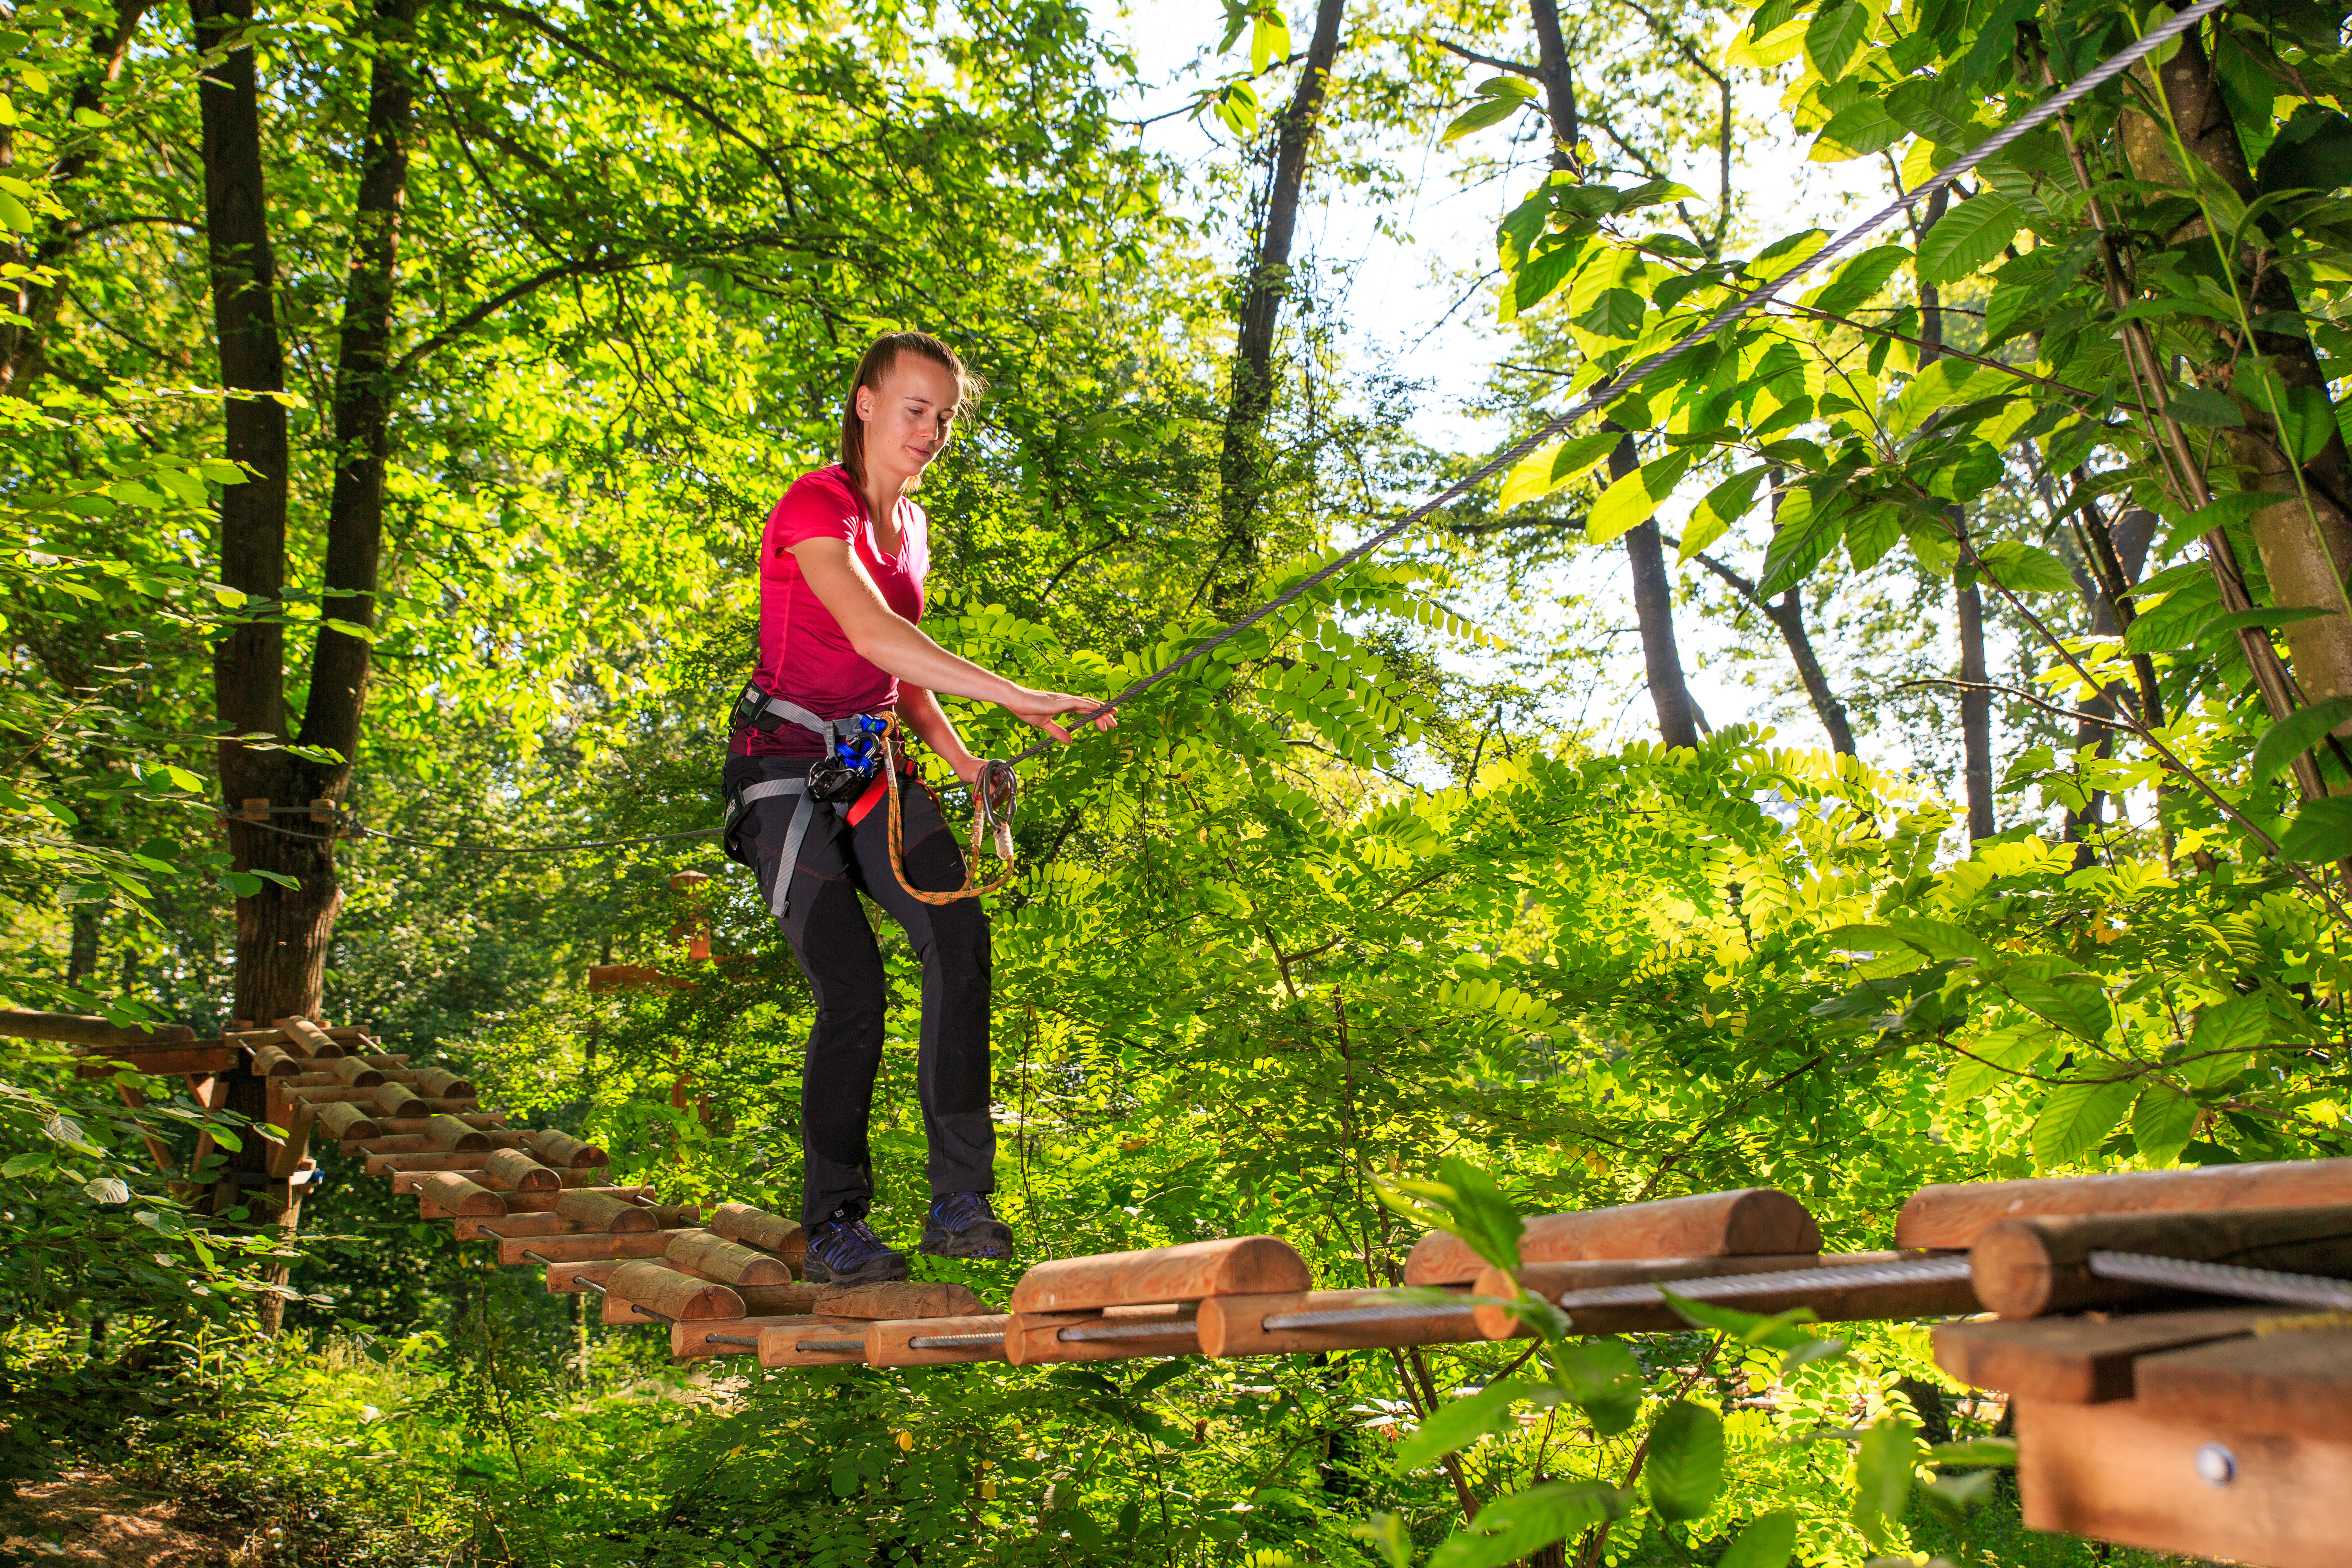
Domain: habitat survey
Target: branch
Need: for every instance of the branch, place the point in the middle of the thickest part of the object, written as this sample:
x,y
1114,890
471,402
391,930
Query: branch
x,y
1475,57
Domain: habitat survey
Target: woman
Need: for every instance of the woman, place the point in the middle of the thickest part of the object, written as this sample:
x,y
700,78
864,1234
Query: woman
x,y
842,565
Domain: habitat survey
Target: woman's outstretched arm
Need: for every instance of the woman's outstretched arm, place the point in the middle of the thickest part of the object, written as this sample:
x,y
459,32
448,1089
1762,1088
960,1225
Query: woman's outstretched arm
x,y
884,637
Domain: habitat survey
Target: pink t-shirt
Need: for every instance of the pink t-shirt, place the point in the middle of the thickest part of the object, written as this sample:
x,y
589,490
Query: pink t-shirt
x,y
804,656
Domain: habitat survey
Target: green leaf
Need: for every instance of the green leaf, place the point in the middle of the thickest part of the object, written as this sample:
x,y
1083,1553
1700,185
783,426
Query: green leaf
x,y
1946,383
1855,132
1523,1523
1536,281
241,884
1462,1201
25,1164
1482,113
1719,508
2162,1122
1548,468
1685,1467
1942,939
1603,1379
1968,237
2203,408
2073,1002
1269,41
1769,1542
1464,1421
1835,36
1389,1537
1628,503
1883,1478
1776,1330
1859,280
1954,1495
2175,622
2296,733
2321,832
2024,568
2074,1118
2239,1024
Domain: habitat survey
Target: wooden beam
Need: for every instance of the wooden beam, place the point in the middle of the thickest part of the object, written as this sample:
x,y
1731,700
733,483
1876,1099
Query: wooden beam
x,y
2297,1382
1236,1266
1949,1217
2078,1361
70,1029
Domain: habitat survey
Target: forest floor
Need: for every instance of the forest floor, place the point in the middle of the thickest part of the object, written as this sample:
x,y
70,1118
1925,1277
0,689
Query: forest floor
x,y
93,1517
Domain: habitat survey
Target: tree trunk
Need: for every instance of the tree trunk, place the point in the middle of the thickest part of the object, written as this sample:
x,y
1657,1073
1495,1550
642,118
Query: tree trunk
x,y
2127,544
21,342
1560,87
81,943
2306,541
1653,611
1789,614
1243,463
1975,700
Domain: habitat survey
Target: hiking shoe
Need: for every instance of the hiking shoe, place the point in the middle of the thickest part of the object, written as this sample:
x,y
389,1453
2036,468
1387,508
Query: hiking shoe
x,y
962,1225
844,1250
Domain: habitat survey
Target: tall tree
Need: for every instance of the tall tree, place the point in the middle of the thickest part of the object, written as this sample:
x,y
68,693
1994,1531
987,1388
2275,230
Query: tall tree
x,y
1244,461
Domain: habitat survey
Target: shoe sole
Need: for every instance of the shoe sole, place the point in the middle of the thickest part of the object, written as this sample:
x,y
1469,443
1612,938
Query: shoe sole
x,y
987,1248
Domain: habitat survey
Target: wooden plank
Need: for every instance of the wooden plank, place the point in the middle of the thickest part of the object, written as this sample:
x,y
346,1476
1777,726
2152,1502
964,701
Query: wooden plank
x,y
310,1039
1034,1338
780,1344
2038,1264
2077,1361
691,1341
1234,1325
1951,1216
1236,1266
583,1246
758,1228
729,1262
2295,1381
74,1030
401,1139
286,1158
1707,1225
886,1342
161,1063
2116,1472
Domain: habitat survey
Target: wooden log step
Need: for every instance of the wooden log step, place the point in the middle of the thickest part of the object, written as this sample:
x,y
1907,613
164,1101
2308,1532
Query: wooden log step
x,y
408,1138
1952,1215
600,1208
512,1171
896,1298
758,1228
780,1344
887,1343
1237,1265
681,1298
357,1072
2079,1361
571,1279
317,1088
2038,1264
547,1203
694,1341
164,1063
397,1101
561,1150
1034,1339
535,1178
1234,1325
579,1246
444,1131
540,1220
271,1062
2296,1383
349,1123
440,1083
445,1194
309,1038
380,1060
1749,1220
1550,1280
727,1262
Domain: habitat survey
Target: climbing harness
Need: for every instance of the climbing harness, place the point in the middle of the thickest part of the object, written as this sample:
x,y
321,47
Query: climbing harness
x,y
844,781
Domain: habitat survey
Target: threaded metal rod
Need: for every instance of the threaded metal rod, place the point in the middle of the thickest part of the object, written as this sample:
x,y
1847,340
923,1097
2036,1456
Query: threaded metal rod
x,y
730,1340
1131,1329
1349,1317
542,1261
1910,1271
955,1341
830,1347
2225,1279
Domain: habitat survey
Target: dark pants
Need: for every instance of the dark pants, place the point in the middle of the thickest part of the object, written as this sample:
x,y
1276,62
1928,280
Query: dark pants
x,y
826,927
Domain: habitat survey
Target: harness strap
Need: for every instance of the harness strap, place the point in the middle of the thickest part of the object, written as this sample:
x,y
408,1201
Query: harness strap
x,y
780,897
757,704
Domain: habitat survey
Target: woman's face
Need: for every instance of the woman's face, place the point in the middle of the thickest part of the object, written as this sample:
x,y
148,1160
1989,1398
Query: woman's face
x,y
908,416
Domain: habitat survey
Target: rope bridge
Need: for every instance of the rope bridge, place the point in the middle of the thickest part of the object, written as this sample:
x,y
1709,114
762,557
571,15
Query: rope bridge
x,y
2176,1345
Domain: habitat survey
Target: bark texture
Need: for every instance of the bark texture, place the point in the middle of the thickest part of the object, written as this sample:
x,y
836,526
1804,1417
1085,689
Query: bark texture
x,y
1242,462
1653,611
2305,540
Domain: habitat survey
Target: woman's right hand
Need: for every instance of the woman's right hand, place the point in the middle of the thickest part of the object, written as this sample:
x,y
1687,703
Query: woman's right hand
x,y
1041,708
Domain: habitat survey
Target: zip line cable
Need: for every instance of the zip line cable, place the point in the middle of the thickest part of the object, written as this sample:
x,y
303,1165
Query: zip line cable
x,y
1601,396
